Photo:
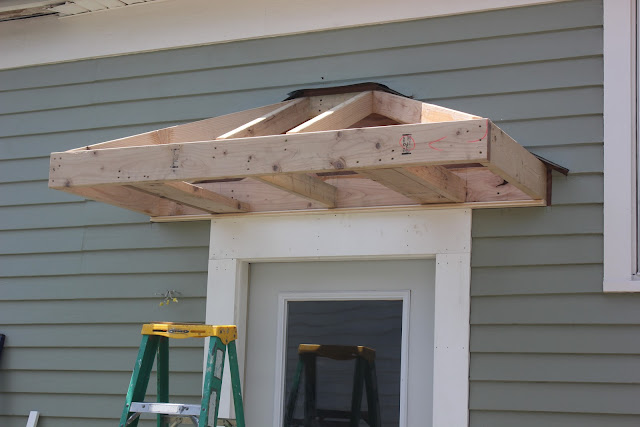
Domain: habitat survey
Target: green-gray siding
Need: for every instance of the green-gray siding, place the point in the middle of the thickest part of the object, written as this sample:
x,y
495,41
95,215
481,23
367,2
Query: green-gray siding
x,y
78,277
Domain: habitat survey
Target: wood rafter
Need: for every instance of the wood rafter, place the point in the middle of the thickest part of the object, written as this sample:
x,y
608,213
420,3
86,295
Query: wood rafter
x,y
337,150
305,186
274,122
278,121
341,116
406,110
131,198
202,130
425,184
194,196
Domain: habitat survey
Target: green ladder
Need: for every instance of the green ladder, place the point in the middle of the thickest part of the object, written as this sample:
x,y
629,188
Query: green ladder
x,y
365,374
155,340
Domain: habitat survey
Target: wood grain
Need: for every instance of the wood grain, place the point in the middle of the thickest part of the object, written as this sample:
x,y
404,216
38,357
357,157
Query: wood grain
x,y
347,149
341,116
194,196
516,165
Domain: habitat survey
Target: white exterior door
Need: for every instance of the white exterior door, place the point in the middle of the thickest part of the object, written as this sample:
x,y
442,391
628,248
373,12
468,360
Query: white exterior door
x,y
383,304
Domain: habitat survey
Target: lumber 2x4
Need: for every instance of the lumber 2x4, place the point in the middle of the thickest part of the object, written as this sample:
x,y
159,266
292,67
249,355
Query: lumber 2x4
x,y
278,121
347,149
424,184
130,198
308,187
406,110
194,196
201,130
274,122
341,116
515,164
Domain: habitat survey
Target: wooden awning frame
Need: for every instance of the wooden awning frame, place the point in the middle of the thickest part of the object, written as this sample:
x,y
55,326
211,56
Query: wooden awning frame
x,y
350,148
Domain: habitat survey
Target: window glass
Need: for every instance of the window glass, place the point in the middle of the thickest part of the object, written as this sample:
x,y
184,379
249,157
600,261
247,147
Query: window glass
x,y
370,323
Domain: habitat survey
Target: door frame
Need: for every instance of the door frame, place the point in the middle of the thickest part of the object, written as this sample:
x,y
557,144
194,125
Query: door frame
x,y
370,235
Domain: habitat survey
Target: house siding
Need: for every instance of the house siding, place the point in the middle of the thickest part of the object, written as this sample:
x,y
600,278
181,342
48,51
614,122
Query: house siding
x,y
78,277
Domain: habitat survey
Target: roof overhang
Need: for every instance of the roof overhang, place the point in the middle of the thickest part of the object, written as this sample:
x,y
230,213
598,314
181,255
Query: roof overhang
x,y
21,9
355,147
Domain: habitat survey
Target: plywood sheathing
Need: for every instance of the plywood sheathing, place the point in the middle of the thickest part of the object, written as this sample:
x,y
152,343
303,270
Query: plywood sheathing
x,y
331,151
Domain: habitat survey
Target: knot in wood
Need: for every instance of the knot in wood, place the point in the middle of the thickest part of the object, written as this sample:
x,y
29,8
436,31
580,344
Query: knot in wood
x,y
338,164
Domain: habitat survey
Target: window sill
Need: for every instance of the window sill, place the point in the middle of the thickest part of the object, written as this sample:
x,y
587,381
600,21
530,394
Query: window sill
x,y
621,285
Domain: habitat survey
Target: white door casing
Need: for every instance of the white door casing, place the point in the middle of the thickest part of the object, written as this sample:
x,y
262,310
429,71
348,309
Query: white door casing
x,y
444,235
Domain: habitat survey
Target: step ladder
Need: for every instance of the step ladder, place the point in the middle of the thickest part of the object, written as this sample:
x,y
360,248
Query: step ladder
x,y
155,341
364,374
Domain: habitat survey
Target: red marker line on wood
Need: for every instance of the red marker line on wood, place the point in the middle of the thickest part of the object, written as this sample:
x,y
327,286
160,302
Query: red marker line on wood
x,y
434,148
486,132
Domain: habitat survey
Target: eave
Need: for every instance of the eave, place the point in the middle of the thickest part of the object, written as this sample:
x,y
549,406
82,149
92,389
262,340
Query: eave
x,y
356,147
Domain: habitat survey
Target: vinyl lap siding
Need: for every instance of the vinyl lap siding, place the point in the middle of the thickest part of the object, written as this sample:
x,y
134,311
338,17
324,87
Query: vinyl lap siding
x,y
77,277
548,348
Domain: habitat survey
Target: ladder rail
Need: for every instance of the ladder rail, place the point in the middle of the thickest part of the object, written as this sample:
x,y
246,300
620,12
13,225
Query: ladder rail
x,y
140,377
238,404
155,346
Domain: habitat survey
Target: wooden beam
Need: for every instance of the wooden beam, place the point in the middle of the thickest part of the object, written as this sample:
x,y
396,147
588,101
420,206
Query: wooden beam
x,y
353,191
398,108
277,121
308,187
515,164
435,113
320,104
347,149
485,186
398,181
202,130
405,110
373,120
133,199
194,196
439,180
341,116
357,191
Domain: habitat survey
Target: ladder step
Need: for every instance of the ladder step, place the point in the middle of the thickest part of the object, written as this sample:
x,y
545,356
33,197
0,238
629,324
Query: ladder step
x,y
165,408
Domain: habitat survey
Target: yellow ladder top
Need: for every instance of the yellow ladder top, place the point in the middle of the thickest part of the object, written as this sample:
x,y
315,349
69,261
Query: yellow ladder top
x,y
226,333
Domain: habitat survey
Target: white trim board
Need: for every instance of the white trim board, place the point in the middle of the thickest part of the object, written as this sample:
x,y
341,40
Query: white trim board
x,y
180,23
619,147
444,235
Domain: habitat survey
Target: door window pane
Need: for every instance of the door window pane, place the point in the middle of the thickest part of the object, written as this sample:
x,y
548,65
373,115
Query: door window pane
x,y
370,323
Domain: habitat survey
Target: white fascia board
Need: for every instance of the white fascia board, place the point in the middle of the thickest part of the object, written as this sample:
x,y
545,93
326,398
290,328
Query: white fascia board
x,y
619,147
170,24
